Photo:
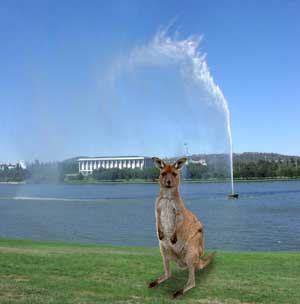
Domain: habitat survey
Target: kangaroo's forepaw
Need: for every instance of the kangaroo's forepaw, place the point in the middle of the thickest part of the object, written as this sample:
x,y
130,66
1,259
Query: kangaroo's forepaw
x,y
174,239
160,235
177,293
153,284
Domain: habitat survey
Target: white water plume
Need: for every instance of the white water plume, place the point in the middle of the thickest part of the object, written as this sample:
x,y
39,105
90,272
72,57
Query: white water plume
x,y
164,49
163,95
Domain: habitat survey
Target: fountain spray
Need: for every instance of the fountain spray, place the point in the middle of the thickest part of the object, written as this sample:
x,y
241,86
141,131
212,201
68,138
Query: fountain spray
x,y
163,50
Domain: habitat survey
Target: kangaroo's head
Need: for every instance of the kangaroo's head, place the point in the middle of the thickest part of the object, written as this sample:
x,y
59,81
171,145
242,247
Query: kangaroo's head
x,y
169,173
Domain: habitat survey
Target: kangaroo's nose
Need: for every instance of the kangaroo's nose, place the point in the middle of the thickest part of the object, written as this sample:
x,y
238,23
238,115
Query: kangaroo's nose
x,y
168,182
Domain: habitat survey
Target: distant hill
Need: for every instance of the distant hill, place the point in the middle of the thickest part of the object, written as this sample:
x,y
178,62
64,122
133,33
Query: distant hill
x,y
256,156
245,157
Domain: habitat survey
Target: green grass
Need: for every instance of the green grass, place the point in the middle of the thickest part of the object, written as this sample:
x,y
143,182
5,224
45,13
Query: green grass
x,y
40,272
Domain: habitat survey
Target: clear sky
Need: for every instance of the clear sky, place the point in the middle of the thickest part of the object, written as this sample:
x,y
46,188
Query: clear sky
x,y
54,56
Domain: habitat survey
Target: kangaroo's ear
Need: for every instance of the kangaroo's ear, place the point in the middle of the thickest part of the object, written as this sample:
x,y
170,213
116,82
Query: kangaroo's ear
x,y
160,164
179,163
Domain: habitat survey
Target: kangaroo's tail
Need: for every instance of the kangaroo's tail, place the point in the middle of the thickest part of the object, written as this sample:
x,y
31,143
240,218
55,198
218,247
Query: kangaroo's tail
x,y
204,261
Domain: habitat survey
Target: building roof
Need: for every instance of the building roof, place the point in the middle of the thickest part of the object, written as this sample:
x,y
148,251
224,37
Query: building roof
x,y
112,158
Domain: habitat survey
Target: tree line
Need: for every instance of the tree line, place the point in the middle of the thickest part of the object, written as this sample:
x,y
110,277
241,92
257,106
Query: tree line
x,y
16,174
58,172
39,172
289,168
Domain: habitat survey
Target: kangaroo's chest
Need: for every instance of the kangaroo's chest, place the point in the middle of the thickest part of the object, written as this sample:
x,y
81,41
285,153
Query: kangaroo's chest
x,y
167,216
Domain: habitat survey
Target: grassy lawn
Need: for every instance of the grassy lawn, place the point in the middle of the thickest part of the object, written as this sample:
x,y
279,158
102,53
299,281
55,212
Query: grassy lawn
x,y
40,272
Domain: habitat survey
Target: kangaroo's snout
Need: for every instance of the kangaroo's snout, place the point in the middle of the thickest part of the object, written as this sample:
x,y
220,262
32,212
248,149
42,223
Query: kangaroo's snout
x,y
169,177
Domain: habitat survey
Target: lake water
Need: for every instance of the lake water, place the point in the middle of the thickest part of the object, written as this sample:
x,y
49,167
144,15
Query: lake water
x,y
266,217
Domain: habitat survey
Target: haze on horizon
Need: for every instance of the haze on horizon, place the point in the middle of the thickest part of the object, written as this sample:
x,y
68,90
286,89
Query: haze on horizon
x,y
56,56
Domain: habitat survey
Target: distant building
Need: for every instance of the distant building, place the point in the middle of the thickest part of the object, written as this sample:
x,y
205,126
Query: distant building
x,y
201,162
22,164
88,165
10,166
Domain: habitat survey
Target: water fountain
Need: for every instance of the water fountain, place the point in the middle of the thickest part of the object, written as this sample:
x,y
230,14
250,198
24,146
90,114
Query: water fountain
x,y
192,67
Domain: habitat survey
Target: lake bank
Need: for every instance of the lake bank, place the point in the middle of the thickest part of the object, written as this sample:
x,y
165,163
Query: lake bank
x,y
42,272
12,183
140,181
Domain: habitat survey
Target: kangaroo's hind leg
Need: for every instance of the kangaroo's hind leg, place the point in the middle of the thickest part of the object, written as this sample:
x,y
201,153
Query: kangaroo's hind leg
x,y
190,283
191,260
165,276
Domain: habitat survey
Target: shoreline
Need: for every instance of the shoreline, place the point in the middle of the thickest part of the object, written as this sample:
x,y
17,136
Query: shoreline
x,y
12,183
126,182
183,181
133,247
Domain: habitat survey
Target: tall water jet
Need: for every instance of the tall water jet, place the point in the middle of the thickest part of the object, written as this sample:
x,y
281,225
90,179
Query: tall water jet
x,y
165,50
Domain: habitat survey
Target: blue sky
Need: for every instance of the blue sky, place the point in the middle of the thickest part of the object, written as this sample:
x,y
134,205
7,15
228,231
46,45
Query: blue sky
x,y
55,55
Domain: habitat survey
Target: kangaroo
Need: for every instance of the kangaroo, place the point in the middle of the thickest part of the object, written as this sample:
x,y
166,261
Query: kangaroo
x,y
179,231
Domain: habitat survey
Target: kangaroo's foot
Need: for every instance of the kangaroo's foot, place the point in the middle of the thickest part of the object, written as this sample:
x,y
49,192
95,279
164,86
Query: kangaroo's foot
x,y
153,284
159,281
180,292
177,293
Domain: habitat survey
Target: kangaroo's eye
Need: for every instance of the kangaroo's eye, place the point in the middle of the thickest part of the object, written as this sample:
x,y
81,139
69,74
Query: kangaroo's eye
x,y
174,174
164,174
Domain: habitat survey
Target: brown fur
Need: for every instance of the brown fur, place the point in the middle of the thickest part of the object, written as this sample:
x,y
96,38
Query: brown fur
x,y
179,231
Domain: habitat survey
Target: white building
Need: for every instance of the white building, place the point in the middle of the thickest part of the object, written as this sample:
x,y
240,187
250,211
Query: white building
x,y
87,165
10,166
201,162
